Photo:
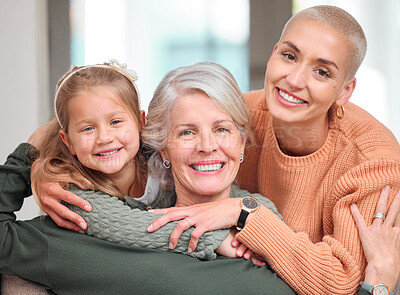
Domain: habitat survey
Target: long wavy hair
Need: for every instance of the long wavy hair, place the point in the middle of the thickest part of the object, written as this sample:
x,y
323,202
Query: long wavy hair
x,y
56,163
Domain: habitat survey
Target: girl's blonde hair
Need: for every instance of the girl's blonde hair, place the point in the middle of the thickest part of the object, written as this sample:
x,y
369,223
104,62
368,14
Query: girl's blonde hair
x,y
56,162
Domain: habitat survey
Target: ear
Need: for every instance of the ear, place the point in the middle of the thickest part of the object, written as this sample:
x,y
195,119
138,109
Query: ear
x,y
244,140
273,51
65,139
346,92
142,119
164,154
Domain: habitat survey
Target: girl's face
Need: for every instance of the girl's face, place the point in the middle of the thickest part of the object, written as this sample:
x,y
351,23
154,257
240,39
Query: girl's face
x,y
102,133
306,74
204,147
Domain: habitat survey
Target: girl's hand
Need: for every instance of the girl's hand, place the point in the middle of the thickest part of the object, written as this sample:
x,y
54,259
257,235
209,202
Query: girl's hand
x,y
204,217
381,242
50,195
230,249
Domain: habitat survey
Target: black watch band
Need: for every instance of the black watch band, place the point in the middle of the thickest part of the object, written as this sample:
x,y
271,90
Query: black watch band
x,y
242,219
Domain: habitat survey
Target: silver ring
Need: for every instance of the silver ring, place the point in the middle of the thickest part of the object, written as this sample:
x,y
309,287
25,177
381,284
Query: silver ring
x,y
379,215
187,219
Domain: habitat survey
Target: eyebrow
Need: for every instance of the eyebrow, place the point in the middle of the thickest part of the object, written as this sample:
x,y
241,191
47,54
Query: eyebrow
x,y
321,60
214,123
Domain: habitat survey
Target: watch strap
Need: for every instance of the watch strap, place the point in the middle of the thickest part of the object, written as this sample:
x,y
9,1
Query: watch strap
x,y
242,219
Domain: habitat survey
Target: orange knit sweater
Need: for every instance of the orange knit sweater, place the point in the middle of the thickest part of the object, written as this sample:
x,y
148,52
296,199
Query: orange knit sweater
x,y
317,249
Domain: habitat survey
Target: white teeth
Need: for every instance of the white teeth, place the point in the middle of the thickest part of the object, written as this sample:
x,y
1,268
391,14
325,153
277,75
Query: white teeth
x,y
203,168
290,98
108,153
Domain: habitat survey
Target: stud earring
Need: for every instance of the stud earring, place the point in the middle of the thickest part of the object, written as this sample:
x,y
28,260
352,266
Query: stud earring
x,y
241,157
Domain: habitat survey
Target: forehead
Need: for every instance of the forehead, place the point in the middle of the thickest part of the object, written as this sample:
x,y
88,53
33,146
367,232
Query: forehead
x,y
317,40
196,108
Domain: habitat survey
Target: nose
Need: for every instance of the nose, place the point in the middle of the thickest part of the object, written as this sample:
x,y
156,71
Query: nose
x,y
296,78
207,143
104,135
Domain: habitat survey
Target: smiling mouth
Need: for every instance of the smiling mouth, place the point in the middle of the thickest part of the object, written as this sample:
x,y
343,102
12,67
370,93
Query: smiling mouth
x,y
208,168
290,98
108,153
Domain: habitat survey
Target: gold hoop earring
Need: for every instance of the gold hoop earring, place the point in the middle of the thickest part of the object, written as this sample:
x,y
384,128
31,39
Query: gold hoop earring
x,y
340,112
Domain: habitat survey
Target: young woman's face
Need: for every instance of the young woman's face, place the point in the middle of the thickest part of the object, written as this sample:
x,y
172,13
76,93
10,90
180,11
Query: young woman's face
x,y
204,147
102,133
306,74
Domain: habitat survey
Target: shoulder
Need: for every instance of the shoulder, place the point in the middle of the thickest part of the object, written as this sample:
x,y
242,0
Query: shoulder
x,y
255,100
366,134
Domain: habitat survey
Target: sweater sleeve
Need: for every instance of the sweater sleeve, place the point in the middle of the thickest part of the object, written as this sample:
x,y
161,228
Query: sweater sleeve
x,y
336,264
113,220
23,244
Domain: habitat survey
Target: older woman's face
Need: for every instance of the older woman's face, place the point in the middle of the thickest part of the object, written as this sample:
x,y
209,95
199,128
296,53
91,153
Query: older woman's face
x,y
204,147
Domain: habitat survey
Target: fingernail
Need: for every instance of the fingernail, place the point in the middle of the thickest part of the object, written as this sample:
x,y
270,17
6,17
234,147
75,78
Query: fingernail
x,y
352,205
387,188
263,263
190,250
81,232
150,227
246,256
239,253
86,208
82,225
234,243
171,246
151,210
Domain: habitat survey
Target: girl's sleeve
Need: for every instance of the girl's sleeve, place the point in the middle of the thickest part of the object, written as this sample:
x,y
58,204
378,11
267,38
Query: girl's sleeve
x,y
113,220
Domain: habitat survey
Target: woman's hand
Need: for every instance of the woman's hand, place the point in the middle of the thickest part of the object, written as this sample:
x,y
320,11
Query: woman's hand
x,y
204,217
381,242
230,249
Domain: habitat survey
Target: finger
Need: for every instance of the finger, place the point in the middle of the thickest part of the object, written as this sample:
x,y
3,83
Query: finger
x,y
258,262
394,211
358,218
177,232
240,250
248,254
194,237
161,221
382,202
64,223
65,213
235,242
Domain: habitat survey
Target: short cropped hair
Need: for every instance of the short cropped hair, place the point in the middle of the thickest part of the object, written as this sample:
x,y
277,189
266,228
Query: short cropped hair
x,y
343,23
209,78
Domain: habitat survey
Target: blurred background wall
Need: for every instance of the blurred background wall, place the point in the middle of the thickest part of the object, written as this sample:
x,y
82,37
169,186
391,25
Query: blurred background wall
x,y
41,38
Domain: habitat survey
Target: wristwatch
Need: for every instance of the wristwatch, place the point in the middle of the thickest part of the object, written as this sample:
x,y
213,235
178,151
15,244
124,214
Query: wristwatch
x,y
380,289
249,205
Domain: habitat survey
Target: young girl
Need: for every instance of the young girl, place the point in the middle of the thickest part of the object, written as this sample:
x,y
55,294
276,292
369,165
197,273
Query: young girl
x,y
94,140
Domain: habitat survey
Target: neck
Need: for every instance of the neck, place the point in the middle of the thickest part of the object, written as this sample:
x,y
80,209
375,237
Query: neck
x,y
185,198
125,181
301,140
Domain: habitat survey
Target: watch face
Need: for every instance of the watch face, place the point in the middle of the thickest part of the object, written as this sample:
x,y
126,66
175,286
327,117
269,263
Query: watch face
x,y
380,290
250,203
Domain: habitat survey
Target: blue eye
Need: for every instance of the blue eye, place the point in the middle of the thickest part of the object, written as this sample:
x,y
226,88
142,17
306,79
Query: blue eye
x,y
115,122
222,130
87,129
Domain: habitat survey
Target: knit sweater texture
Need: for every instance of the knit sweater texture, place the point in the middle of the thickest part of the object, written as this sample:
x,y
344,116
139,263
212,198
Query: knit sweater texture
x,y
125,223
317,249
